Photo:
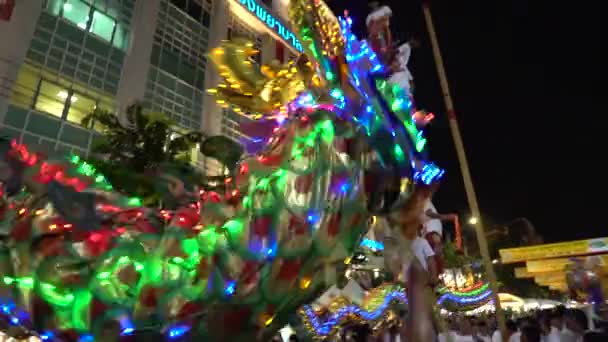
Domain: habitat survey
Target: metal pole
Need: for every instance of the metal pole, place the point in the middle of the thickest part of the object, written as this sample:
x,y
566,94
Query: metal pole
x,y
464,168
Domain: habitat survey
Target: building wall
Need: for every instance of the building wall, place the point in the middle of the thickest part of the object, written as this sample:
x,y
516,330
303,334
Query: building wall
x,y
72,64
67,57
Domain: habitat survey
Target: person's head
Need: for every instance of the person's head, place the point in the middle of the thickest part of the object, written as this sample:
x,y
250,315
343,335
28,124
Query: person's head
x,y
465,327
530,333
511,327
595,336
576,320
556,320
483,328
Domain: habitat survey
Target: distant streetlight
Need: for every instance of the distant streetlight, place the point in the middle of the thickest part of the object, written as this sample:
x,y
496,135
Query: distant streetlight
x,y
473,220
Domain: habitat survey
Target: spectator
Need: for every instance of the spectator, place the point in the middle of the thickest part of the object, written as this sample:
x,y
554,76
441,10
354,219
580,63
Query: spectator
x,y
465,331
575,326
530,333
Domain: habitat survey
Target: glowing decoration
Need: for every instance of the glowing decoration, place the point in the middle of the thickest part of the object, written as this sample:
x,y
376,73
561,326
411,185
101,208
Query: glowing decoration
x,y
375,307
372,244
333,129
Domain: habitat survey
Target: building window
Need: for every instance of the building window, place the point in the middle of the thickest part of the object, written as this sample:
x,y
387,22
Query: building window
x,y
91,19
51,99
80,107
102,25
24,88
121,37
77,12
206,18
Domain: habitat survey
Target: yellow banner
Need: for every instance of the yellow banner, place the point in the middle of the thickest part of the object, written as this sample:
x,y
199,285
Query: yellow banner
x,y
522,273
554,250
559,264
550,278
559,287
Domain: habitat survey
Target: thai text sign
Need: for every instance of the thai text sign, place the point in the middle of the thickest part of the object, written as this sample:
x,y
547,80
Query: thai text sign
x,y
554,250
272,22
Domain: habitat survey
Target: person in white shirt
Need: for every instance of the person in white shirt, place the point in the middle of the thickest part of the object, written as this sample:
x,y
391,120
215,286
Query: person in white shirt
x,y
432,228
420,271
575,325
555,328
465,331
482,332
512,334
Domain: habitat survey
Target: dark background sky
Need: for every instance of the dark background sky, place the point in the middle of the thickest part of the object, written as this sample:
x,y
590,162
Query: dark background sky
x,y
526,78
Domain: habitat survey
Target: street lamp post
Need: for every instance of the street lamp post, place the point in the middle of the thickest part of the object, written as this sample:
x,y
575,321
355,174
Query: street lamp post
x,y
464,168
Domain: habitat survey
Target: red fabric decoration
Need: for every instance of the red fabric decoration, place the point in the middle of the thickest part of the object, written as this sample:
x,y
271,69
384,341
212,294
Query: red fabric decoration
x,y
333,226
98,308
149,296
249,272
186,218
297,226
261,225
303,183
188,309
289,270
22,230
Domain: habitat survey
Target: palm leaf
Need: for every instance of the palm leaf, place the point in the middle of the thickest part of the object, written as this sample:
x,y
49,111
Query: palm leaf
x,y
223,149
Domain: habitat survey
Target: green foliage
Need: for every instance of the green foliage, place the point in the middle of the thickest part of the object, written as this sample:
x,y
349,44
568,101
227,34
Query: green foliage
x,y
145,141
453,257
131,153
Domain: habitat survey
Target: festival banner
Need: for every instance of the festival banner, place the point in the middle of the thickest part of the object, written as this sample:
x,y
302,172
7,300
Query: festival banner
x,y
560,264
550,278
554,250
559,287
522,273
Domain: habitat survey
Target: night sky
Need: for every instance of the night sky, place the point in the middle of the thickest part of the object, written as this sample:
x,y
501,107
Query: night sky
x,y
525,80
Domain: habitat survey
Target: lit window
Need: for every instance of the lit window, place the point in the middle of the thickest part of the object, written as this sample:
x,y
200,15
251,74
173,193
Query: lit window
x,y
77,12
80,107
24,88
54,6
121,37
102,26
51,99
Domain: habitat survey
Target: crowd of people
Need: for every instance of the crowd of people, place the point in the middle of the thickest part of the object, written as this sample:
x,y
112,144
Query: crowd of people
x,y
551,325
554,325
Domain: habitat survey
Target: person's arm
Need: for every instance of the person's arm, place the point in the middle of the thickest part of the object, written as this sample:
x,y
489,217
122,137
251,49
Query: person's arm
x,y
443,217
432,264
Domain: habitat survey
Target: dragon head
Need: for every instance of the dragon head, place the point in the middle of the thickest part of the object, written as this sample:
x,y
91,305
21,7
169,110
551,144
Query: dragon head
x,y
336,73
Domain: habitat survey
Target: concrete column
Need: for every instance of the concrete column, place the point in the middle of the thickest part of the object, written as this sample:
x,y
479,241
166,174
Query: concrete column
x,y
212,113
268,50
136,65
16,36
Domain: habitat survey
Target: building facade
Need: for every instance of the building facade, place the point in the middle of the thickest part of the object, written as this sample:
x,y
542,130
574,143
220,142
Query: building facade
x,y
61,59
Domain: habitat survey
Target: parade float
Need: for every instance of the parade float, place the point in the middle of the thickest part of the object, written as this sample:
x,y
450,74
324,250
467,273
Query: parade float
x,y
335,141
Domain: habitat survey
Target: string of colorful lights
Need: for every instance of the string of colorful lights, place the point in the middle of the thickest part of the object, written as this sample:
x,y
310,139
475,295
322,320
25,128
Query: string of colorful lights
x,y
382,298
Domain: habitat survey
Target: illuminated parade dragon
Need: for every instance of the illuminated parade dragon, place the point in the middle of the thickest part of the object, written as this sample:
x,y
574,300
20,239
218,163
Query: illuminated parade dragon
x,y
333,142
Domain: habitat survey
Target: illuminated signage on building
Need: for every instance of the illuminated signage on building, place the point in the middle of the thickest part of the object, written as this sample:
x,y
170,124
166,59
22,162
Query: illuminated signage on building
x,y
272,23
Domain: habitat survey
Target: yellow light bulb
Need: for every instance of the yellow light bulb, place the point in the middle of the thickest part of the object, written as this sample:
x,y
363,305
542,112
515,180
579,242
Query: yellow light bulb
x,y
305,283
